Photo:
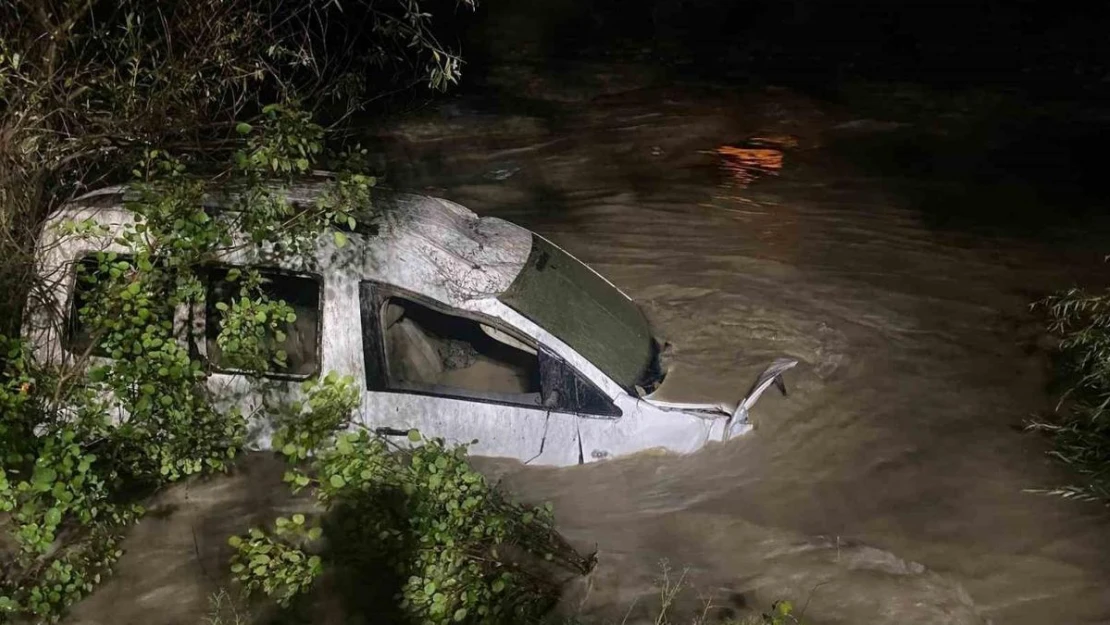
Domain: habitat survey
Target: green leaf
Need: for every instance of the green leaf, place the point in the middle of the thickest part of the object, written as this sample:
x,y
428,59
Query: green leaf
x,y
242,128
53,516
414,436
460,614
44,477
337,481
298,519
340,238
343,446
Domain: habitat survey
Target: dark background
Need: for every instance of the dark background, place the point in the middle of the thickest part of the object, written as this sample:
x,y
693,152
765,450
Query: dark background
x,y
1046,49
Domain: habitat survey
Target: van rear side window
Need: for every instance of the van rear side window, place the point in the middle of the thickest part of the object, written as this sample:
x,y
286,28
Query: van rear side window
x,y
302,340
303,294
79,337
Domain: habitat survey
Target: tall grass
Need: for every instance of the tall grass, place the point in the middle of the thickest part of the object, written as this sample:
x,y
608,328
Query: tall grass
x,y
225,609
1080,426
671,584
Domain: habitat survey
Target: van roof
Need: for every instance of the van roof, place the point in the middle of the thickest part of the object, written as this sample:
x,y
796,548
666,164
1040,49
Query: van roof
x,y
427,245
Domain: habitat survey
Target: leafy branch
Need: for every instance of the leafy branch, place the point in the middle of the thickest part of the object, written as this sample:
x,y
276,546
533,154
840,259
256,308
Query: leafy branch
x,y
459,550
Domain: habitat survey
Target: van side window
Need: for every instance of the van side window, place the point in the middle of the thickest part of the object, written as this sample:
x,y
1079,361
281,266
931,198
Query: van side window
x,y
416,348
437,353
78,336
302,341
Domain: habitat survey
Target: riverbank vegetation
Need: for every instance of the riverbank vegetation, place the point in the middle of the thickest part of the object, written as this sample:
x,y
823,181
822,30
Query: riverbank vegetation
x,y
227,608
1080,427
663,608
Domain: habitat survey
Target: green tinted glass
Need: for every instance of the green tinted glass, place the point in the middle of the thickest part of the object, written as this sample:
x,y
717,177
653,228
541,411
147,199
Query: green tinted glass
x,y
570,301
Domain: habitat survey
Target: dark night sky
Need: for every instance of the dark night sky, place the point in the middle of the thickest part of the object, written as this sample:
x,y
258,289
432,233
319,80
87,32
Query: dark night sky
x,y
1049,47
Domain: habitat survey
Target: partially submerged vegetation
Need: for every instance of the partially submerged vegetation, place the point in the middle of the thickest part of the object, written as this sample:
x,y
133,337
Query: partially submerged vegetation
x,y
782,612
227,608
413,537
1081,426
665,610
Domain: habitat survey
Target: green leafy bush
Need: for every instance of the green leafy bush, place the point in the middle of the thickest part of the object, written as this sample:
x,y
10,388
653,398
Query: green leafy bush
x,y
253,327
275,563
57,510
422,534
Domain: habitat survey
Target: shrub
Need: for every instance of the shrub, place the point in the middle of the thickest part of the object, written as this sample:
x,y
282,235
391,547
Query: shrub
x,y
419,535
1081,429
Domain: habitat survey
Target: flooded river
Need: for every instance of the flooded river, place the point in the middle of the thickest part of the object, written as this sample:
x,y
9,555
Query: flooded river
x,y
895,265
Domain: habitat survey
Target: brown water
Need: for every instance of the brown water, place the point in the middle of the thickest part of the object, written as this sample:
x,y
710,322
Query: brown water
x,y
889,487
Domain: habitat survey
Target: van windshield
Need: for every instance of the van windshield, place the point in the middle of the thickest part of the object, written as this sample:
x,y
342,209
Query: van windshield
x,y
568,299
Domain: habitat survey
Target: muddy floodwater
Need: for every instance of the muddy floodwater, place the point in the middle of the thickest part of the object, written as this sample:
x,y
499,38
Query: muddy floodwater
x,y
894,259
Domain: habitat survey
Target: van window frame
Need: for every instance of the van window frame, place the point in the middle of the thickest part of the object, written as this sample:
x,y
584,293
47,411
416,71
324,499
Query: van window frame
x,y
68,329
270,269
70,314
374,295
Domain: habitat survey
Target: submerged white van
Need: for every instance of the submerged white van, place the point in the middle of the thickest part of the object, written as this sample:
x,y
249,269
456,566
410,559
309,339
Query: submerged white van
x,y
462,327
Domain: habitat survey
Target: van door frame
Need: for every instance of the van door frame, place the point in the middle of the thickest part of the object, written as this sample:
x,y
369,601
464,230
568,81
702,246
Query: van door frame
x,y
373,295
